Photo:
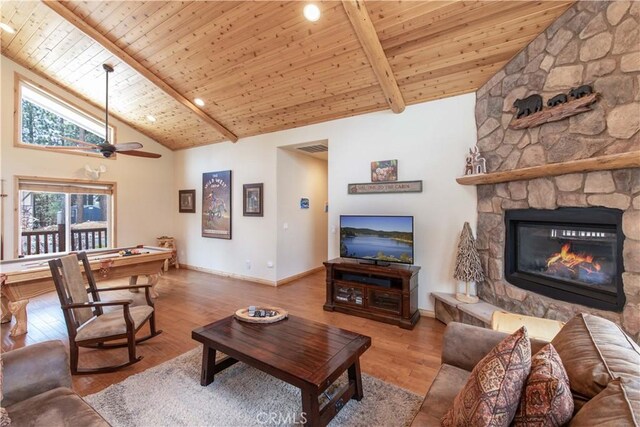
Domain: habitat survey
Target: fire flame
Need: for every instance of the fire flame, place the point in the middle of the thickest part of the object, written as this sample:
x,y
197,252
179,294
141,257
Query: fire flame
x,y
572,261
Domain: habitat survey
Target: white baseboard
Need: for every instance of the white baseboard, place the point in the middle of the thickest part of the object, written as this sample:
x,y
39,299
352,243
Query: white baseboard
x,y
298,276
427,313
227,274
249,278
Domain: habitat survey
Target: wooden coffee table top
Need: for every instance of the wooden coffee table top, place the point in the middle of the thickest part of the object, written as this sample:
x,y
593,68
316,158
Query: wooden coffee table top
x,y
296,350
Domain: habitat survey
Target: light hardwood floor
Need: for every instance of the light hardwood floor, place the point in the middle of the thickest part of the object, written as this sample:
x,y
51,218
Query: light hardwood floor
x,y
409,359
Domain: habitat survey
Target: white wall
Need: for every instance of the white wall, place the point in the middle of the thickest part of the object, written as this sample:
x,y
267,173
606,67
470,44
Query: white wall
x,y
429,141
302,246
145,190
252,238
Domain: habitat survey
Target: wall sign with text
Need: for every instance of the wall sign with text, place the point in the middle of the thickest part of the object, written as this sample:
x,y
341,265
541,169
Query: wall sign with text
x,y
385,187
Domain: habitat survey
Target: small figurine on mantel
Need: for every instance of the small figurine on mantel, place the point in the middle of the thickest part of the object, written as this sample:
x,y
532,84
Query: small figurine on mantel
x,y
475,163
468,266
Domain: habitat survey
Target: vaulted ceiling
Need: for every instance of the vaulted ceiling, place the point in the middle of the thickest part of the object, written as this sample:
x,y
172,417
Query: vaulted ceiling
x,y
260,66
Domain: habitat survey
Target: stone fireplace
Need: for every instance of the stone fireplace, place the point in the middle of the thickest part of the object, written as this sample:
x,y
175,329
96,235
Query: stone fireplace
x,y
570,254
593,43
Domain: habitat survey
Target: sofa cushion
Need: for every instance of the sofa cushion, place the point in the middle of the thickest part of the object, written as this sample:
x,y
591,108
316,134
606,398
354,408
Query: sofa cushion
x,y
617,405
594,351
57,407
448,382
5,420
491,395
546,398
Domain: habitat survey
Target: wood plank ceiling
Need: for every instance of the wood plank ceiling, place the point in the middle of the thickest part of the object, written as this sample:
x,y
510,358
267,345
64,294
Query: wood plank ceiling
x,y
260,66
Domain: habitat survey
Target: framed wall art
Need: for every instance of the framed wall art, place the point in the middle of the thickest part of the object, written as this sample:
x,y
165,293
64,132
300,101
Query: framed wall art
x,y
252,200
384,171
187,201
216,204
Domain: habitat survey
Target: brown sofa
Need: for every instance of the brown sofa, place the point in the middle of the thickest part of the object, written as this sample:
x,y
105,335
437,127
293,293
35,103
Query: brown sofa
x,y
602,363
36,388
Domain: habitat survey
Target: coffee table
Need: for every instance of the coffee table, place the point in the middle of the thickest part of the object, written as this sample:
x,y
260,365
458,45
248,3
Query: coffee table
x,y
303,353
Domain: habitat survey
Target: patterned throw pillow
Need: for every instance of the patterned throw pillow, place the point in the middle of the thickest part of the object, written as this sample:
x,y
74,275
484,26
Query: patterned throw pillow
x,y
491,395
546,399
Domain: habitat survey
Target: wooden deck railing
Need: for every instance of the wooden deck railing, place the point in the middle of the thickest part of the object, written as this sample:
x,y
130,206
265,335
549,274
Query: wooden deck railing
x,y
51,241
88,238
43,242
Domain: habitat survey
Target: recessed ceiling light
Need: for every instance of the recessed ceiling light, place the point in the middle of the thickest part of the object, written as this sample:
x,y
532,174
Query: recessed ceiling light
x,y
311,12
199,102
151,118
7,28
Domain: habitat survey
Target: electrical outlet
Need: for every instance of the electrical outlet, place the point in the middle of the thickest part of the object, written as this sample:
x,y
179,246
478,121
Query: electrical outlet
x,y
269,264
247,264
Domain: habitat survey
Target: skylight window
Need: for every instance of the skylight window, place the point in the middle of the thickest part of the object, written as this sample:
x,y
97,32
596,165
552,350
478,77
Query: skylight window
x,y
48,120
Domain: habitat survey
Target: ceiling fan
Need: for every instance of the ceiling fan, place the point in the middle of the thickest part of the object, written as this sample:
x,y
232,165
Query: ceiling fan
x,y
105,148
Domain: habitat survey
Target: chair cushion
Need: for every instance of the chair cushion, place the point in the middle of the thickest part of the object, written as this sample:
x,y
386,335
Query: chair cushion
x,y
112,323
594,351
617,405
546,398
75,287
448,382
491,395
57,407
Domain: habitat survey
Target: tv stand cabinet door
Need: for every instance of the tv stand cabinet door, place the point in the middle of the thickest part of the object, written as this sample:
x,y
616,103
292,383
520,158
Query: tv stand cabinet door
x,y
349,295
384,301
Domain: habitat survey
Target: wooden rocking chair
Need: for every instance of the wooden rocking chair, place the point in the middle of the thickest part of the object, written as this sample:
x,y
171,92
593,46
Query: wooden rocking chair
x,y
87,324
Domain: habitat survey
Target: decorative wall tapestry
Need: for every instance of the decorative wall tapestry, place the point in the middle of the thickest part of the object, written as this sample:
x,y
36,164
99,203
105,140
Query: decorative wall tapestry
x,y
216,204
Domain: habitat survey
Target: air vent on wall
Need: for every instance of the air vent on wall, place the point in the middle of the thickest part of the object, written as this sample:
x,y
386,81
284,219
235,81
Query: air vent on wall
x,y
319,148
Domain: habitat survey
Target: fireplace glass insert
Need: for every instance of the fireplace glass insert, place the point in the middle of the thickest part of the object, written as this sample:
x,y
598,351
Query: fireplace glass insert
x,y
571,254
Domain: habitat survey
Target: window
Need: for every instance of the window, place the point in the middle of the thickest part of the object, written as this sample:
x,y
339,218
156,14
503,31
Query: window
x,y
45,119
61,216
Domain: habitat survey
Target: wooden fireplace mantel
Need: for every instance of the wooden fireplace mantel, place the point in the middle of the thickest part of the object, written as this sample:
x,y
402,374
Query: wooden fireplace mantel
x,y
609,162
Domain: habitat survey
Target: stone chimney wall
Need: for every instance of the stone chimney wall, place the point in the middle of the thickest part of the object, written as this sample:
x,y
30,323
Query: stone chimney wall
x,y
595,43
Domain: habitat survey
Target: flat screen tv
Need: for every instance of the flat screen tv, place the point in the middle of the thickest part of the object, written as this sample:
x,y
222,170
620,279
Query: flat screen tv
x,y
381,239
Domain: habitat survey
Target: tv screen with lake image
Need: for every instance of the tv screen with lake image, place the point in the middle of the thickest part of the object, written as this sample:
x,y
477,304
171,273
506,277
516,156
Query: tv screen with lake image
x,y
377,238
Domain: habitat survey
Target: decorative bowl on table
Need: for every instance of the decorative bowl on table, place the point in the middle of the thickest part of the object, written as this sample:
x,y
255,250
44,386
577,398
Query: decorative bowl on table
x,y
265,314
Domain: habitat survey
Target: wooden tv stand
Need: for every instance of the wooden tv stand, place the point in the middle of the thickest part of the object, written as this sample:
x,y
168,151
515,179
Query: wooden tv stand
x,y
384,293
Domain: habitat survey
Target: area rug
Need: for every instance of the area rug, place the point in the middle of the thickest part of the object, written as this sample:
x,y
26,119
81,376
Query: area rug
x,y
170,395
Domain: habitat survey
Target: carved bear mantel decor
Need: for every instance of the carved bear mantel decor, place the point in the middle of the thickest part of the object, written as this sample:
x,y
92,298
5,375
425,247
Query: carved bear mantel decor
x,y
527,106
560,98
530,112
581,91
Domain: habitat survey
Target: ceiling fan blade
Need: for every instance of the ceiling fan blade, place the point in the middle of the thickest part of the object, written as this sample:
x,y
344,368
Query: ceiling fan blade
x,y
141,154
127,146
79,141
70,148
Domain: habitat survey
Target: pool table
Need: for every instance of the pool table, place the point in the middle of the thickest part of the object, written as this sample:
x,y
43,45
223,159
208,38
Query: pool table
x,y
28,277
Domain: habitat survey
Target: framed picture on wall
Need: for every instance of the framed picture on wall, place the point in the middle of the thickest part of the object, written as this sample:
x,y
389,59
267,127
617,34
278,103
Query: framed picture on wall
x,y
187,201
384,171
216,204
252,200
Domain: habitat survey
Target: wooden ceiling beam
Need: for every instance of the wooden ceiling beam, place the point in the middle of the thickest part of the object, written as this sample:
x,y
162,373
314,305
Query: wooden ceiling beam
x,y
91,32
366,33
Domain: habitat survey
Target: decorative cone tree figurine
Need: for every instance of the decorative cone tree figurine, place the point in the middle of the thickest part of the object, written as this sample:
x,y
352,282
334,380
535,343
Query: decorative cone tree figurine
x,y
468,266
